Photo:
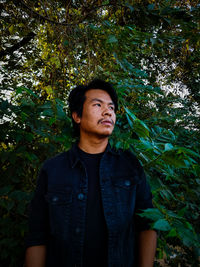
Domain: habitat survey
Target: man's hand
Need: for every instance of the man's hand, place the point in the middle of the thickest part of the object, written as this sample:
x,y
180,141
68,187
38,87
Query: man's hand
x,y
147,248
35,256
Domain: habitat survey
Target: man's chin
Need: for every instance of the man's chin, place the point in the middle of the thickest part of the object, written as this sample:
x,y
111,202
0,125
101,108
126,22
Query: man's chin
x,y
105,134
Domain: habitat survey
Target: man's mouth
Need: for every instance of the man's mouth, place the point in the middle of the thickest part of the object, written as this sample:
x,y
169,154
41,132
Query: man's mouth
x,y
106,122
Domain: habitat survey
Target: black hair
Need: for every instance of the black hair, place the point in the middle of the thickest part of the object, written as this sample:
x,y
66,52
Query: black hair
x,y
77,98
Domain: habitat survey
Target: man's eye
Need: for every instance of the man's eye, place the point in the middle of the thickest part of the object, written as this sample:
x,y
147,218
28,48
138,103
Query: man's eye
x,y
97,104
111,107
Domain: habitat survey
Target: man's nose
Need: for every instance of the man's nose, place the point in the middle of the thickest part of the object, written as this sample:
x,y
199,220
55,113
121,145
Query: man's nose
x,y
107,111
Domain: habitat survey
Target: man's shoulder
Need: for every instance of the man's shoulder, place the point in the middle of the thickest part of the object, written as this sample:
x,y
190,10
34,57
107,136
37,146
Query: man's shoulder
x,y
127,153
128,158
57,160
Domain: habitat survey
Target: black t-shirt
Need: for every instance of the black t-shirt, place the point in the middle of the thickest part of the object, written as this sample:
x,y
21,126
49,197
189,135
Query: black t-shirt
x,y
96,236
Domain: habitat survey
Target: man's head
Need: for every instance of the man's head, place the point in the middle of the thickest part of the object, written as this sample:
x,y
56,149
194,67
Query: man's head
x,y
93,108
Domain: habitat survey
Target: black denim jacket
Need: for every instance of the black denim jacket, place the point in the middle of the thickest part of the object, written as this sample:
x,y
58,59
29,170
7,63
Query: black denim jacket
x,y
58,209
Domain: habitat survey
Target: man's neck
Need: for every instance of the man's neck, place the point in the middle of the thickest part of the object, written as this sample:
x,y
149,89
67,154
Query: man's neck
x,y
93,145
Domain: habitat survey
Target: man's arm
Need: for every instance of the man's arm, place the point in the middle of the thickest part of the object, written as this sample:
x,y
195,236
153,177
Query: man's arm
x,y
147,248
37,235
35,256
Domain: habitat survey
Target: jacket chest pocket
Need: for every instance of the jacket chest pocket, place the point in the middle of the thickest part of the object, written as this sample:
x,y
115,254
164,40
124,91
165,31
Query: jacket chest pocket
x,y
125,194
60,204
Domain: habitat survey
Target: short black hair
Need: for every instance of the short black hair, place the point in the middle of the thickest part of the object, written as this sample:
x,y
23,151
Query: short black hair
x,y
77,98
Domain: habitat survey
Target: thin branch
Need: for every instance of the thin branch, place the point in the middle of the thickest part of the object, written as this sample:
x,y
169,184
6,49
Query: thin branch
x,y
36,14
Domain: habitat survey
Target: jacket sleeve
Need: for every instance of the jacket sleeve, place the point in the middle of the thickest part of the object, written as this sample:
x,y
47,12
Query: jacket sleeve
x,y
143,201
38,214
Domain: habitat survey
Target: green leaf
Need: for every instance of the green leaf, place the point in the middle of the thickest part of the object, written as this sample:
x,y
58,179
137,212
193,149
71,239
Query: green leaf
x,y
112,39
47,112
139,127
130,113
129,66
198,181
170,157
151,6
5,190
162,225
168,146
52,120
7,204
172,233
188,238
153,41
66,42
129,121
173,214
181,212
19,195
28,136
189,226
166,194
27,103
60,112
107,23
46,105
188,151
147,144
153,214
23,88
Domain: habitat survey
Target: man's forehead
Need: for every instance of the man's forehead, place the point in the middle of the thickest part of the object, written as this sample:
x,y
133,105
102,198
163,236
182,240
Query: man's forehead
x,y
98,94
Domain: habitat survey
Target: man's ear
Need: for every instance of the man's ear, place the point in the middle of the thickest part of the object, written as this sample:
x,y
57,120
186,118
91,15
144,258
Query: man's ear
x,y
75,117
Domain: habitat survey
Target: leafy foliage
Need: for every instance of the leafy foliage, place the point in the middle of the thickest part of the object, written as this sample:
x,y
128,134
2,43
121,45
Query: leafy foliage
x,y
149,50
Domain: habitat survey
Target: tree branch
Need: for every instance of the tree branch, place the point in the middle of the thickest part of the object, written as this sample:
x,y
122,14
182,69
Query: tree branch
x,y
36,14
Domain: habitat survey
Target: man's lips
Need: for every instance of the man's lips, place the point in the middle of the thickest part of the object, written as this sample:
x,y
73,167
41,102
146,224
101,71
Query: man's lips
x,y
106,122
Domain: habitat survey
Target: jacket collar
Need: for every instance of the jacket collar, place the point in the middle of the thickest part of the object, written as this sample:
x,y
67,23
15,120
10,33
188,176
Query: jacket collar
x,y
75,158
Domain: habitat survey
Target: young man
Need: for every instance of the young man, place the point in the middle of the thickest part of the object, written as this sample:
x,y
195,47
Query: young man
x,y
85,209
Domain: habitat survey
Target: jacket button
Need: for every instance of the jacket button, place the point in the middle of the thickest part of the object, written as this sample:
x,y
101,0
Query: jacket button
x,y
127,182
54,199
81,196
78,230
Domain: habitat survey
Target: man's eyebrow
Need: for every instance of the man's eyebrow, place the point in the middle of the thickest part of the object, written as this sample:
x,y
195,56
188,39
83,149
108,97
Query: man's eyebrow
x,y
99,100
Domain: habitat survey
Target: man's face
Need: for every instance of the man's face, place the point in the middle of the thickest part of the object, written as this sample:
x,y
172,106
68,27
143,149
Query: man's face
x,y
98,116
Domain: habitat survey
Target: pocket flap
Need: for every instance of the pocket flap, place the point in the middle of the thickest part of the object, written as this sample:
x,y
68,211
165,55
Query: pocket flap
x,y
125,182
58,198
